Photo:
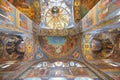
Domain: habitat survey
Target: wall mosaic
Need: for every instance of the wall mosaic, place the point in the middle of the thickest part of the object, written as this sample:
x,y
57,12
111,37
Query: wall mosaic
x,y
58,47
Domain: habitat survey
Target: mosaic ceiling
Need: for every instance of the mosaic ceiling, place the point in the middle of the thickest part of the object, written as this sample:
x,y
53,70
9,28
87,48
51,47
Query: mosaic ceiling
x,y
31,7
55,14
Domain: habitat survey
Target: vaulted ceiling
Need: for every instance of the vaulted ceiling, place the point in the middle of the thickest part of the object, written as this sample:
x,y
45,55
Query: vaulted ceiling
x,y
32,9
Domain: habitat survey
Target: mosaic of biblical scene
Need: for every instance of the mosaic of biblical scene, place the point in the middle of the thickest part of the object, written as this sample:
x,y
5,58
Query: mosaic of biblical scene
x,y
24,6
65,69
102,45
58,46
